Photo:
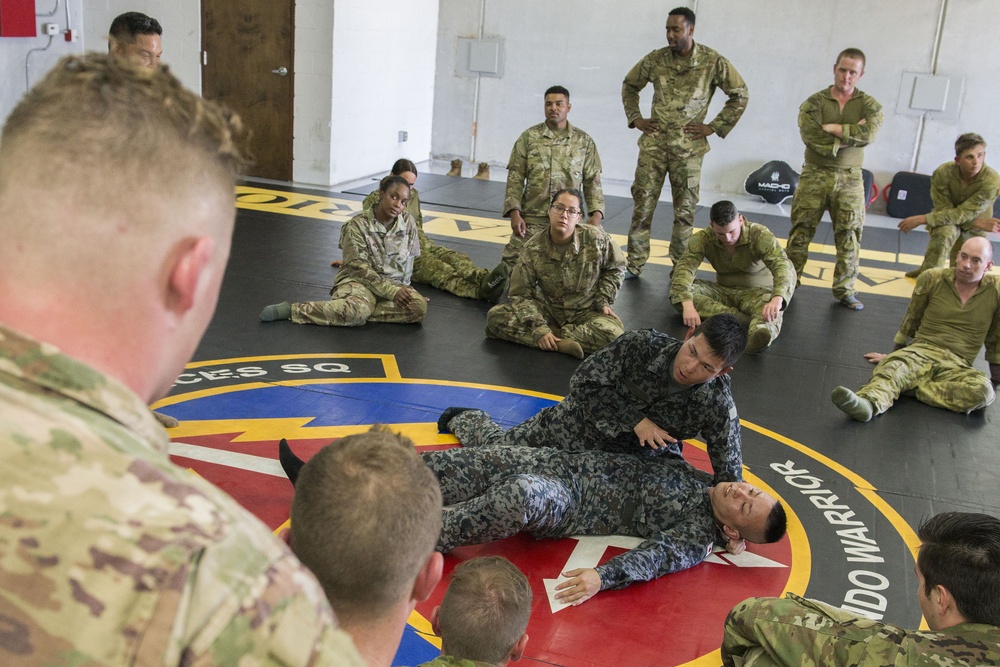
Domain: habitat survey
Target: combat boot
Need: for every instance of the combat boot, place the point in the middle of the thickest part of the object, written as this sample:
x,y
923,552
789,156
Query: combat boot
x,y
456,168
484,171
493,284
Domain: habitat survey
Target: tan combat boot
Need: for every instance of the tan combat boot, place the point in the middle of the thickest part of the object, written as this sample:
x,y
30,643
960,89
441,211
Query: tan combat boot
x,y
484,171
456,168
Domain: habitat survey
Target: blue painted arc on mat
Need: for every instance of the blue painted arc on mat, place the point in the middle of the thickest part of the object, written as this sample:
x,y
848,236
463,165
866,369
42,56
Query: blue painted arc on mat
x,y
339,404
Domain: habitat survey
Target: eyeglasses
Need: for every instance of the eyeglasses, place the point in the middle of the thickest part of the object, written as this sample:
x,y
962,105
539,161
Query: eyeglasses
x,y
560,209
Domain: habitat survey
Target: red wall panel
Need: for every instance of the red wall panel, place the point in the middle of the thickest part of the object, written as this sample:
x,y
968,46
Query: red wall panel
x,y
17,18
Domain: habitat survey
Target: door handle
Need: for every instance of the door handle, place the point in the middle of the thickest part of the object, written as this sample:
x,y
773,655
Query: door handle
x,y
281,71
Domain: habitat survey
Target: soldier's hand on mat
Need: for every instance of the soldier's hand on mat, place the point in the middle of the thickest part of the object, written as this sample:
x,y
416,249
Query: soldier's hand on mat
x,y
874,357
610,313
517,224
771,309
584,584
651,435
648,126
690,315
910,223
404,297
698,130
987,224
337,263
736,546
548,342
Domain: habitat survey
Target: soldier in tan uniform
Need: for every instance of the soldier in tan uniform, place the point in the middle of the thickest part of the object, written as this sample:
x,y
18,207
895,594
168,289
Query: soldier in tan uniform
x,y
958,589
953,312
483,619
963,193
546,158
563,286
755,278
675,137
438,266
111,554
836,124
379,247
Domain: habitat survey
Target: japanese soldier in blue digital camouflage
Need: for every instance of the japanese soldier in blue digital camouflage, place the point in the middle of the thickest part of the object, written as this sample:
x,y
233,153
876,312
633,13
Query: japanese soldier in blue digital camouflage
x,y
644,393
373,283
563,286
109,553
958,588
494,492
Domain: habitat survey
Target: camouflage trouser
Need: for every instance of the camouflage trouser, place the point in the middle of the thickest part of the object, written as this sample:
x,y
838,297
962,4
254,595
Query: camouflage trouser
x,y
512,250
448,270
520,322
842,192
490,494
656,160
938,377
743,303
945,241
762,632
352,304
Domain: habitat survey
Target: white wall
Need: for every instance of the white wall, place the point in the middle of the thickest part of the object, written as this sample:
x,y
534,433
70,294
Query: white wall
x,y
784,49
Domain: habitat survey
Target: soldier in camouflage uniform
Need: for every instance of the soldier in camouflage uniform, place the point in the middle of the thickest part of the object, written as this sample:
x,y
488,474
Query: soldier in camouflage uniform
x,y
546,158
644,389
438,266
755,278
952,313
836,124
484,615
963,192
379,247
109,553
956,588
674,138
563,286
494,492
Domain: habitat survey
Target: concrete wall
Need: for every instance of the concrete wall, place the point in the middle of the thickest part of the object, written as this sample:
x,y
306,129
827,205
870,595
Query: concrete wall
x,y
785,49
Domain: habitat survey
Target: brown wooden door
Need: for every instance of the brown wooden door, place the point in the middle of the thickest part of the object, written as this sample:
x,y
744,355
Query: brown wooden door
x,y
247,56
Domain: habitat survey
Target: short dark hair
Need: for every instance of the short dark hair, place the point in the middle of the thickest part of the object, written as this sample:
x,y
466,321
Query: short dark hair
x,y
967,141
684,12
776,523
366,516
725,335
485,610
961,551
126,26
852,52
401,166
568,191
557,90
723,212
390,180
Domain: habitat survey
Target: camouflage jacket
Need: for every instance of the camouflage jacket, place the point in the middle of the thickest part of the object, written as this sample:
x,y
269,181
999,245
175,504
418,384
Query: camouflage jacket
x,y
956,203
452,661
758,260
797,631
543,162
583,274
112,555
614,388
412,207
826,150
936,316
379,258
682,91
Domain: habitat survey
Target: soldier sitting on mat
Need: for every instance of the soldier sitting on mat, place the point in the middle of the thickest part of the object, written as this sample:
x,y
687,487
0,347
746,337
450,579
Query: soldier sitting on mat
x,y
952,313
563,286
958,588
438,266
483,618
644,389
379,247
755,278
963,192
365,519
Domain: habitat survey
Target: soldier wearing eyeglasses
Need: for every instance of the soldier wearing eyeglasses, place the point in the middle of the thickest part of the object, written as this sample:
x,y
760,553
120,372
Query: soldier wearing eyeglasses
x,y
546,158
563,286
